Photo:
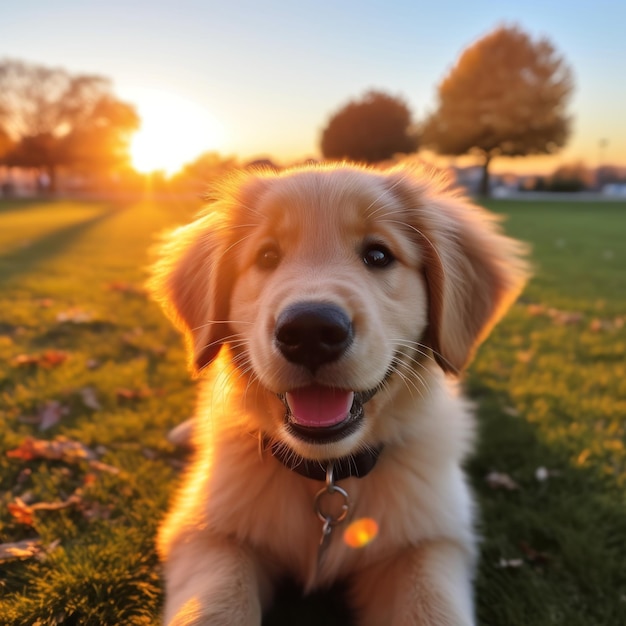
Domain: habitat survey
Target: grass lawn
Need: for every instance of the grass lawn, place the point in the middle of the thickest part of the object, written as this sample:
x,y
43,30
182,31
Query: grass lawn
x,y
91,366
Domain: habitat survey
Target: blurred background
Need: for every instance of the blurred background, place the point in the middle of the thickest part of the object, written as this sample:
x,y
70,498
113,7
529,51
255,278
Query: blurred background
x,y
115,117
100,97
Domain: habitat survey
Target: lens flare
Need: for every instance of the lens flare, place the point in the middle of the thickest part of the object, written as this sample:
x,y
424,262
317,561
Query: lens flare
x,y
360,532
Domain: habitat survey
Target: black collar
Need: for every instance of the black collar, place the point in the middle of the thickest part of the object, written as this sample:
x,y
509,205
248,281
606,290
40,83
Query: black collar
x,y
357,465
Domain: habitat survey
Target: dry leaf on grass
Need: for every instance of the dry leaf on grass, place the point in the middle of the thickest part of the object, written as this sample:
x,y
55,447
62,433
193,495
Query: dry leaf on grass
x,y
127,288
534,557
131,395
26,549
499,480
23,513
99,466
88,396
562,318
74,316
47,359
510,563
59,449
606,325
50,414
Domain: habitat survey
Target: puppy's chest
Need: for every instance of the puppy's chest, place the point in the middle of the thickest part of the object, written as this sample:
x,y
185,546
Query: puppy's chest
x,y
317,538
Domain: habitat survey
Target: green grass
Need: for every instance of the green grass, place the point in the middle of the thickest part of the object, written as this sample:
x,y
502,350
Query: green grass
x,y
550,384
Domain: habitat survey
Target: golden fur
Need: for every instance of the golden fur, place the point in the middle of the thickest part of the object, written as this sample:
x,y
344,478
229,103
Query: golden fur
x,y
242,519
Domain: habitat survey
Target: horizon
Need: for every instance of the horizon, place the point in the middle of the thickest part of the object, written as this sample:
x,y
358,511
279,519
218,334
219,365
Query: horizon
x,y
251,82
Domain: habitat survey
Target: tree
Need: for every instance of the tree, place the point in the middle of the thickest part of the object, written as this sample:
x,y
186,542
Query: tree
x,y
57,119
6,144
371,129
507,95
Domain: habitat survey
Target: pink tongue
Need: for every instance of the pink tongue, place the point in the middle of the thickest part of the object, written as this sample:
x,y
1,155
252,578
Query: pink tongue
x,y
318,406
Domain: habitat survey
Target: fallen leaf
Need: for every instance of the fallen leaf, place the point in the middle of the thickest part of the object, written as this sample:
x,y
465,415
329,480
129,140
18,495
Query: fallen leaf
x,y
74,316
48,416
534,556
89,480
128,288
25,359
24,476
51,414
52,358
97,511
48,359
59,449
498,480
135,394
510,563
21,512
564,318
536,309
99,466
88,396
596,325
25,549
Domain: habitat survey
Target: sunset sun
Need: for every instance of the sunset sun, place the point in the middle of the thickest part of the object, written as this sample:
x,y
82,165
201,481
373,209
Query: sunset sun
x,y
173,131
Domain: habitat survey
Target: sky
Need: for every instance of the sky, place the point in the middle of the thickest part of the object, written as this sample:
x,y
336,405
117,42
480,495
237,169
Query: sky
x,y
256,79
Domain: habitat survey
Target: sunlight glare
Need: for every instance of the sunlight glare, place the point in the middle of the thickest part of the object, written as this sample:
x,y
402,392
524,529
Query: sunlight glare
x,y
174,131
360,532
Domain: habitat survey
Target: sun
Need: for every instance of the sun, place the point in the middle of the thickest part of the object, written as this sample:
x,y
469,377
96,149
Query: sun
x,y
173,131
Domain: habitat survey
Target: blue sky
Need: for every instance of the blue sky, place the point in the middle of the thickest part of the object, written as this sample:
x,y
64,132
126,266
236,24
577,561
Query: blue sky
x,y
271,73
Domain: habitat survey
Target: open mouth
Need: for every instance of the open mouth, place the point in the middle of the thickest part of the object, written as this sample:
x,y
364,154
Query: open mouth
x,y
319,414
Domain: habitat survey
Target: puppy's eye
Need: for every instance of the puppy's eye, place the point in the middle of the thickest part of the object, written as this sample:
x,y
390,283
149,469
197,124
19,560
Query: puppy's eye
x,y
268,257
377,255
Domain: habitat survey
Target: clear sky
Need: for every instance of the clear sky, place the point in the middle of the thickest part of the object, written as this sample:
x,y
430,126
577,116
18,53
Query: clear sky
x,y
259,78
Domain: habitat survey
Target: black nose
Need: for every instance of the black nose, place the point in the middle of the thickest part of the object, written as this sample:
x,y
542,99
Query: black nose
x,y
313,333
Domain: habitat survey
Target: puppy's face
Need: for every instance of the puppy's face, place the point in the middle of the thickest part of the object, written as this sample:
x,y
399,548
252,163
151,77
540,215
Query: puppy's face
x,y
328,303
335,288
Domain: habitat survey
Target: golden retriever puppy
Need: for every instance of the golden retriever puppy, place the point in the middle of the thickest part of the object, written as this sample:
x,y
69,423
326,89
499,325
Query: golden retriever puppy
x,y
328,312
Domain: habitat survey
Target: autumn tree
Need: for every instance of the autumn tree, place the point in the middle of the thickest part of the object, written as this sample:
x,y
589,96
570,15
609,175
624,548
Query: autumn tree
x,y
371,129
56,119
506,96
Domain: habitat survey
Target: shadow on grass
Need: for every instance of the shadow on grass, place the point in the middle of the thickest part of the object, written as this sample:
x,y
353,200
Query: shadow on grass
x,y
10,205
26,259
550,551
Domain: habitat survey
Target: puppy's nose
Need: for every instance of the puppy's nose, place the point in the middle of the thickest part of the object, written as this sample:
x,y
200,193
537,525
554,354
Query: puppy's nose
x,y
313,333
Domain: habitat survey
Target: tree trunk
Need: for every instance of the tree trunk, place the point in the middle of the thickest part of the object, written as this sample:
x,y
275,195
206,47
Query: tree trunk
x,y
52,182
485,190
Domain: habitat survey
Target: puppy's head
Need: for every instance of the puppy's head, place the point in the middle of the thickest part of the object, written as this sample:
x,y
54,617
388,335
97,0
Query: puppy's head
x,y
334,286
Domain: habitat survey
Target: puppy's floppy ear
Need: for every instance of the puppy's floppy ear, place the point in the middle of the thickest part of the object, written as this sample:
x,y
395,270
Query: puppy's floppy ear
x,y
473,272
190,280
